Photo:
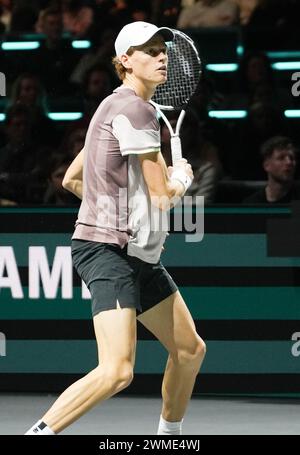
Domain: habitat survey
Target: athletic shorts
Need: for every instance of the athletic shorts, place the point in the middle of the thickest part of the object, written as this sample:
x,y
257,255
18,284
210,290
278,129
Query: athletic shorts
x,y
113,277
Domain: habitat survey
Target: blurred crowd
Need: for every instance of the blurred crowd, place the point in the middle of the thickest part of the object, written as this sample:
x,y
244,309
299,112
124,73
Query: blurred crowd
x,y
35,150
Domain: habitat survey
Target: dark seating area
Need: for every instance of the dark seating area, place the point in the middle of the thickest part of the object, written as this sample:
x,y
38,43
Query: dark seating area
x,y
235,191
56,60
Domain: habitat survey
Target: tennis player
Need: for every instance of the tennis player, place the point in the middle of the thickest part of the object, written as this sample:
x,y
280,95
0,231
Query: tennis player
x,y
120,176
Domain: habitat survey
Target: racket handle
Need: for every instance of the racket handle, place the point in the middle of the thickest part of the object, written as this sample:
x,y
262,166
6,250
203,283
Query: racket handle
x,y
176,148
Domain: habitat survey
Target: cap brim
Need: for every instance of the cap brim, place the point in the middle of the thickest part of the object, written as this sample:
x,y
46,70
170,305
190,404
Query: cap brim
x,y
166,33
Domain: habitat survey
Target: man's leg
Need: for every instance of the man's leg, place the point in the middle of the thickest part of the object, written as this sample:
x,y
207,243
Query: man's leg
x,y
172,324
116,339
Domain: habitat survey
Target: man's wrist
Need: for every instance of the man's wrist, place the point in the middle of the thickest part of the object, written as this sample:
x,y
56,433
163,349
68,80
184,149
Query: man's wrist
x,y
182,177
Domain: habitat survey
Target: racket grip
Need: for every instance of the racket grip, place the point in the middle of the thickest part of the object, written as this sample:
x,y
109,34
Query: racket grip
x,y
176,148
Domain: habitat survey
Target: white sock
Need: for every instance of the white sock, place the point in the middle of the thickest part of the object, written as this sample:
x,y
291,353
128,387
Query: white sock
x,y
169,428
39,429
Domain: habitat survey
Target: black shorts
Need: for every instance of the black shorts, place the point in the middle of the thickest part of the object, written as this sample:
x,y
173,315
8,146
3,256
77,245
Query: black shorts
x,y
113,277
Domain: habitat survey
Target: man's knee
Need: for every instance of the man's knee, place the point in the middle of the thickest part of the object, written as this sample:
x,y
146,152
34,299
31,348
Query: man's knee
x,y
193,354
120,375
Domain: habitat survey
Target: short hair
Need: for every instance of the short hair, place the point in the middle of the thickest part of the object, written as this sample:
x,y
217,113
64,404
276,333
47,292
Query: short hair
x,y
50,11
276,143
119,68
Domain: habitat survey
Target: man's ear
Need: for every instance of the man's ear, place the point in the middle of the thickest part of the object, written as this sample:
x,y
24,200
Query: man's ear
x,y
125,60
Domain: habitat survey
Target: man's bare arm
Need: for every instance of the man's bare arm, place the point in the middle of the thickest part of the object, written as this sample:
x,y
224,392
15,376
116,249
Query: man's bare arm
x,y
73,177
162,188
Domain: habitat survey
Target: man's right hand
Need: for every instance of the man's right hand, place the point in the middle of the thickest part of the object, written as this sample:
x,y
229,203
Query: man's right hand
x,y
181,164
183,172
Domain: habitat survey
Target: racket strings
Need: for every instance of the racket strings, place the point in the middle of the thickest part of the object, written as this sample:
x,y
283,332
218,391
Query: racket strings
x,y
184,70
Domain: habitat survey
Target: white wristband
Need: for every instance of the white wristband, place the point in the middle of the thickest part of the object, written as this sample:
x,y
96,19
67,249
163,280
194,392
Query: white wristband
x,y
179,174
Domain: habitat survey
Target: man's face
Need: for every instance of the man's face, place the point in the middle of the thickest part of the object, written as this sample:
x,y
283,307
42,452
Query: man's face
x,y
99,84
149,63
28,91
281,165
53,26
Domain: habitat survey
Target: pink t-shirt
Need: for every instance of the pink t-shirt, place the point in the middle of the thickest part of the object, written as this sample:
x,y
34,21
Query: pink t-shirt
x,y
116,206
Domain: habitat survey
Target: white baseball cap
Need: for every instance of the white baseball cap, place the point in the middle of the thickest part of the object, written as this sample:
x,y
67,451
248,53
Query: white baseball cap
x,y
137,33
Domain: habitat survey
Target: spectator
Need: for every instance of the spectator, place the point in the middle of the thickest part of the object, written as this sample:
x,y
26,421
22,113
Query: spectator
x,y
270,24
255,71
119,14
5,13
101,54
28,91
166,12
50,23
109,16
246,9
209,13
18,156
73,142
257,82
269,13
96,86
279,162
140,11
55,193
77,17
55,58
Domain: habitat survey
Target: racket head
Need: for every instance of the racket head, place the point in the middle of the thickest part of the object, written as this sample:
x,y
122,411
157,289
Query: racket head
x,y
184,73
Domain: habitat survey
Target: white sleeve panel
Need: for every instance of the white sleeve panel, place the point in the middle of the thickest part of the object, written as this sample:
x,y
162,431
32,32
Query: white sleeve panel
x,y
132,140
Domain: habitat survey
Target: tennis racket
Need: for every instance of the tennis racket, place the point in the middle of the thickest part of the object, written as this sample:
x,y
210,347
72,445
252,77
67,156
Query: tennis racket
x,y
184,72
